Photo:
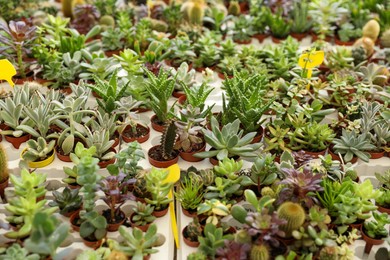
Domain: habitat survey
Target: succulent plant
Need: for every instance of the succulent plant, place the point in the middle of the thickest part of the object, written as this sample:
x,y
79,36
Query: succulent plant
x,y
371,30
194,230
234,250
4,174
143,214
260,252
294,215
190,194
38,150
67,201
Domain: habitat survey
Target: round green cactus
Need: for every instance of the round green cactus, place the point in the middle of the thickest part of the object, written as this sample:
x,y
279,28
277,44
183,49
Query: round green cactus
x,y
294,214
259,252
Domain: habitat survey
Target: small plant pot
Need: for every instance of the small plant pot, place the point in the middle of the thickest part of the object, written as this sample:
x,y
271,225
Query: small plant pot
x,y
337,158
160,213
157,162
243,41
298,36
189,213
369,241
260,37
182,100
376,155
21,81
104,164
93,244
155,125
3,185
73,221
112,227
144,132
187,241
189,156
222,76
315,155
337,41
144,228
17,141
258,136
66,90
383,209
62,157
277,40
178,93
40,164
112,53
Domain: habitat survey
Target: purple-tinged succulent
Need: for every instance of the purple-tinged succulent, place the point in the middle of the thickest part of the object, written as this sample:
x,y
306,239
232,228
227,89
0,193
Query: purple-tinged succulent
x,y
300,186
233,250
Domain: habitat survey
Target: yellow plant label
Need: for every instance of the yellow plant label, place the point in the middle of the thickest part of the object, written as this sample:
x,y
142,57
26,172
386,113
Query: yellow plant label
x,y
173,176
7,71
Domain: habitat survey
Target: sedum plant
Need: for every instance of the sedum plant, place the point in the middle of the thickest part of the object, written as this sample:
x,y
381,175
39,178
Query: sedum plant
x,y
229,141
143,214
212,240
376,229
17,252
157,188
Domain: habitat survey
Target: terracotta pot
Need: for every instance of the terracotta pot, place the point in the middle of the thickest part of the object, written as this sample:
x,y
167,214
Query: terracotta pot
x,y
17,141
369,241
222,76
298,36
182,100
93,244
64,158
178,93
111,53
189,156
155,126
74,186
259,136
3,185
73,219
104,164
337,158
214,161
21,81
66,90
383,209
161,164
116,142
115,226
376,155
141,110
249,41
277,40
315,155
188,213
160,213
337,41
187,241
144,228
141,139
260,37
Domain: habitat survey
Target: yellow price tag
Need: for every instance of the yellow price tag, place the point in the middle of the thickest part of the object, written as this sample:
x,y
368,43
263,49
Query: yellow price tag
x,y
173,176
7,71
309,60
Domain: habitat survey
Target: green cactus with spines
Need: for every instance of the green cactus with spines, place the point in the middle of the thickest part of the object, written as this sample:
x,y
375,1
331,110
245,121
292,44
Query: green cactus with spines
x,y
385,39
259,252
234,8
107,21
168,140
242,236
267,191
351,174
159,26
4,174
294,214
329,253
196,14
140,186
194,229
67,8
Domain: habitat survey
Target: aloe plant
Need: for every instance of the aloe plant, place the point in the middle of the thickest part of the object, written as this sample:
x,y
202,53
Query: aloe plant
x,y
229,141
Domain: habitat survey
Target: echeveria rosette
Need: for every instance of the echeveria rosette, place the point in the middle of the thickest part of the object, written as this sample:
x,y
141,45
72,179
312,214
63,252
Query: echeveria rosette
x,y
300,186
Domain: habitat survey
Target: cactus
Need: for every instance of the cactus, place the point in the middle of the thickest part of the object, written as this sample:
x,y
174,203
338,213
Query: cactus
x,y
3,165
259,252
168,140
194,229
158,25
371,30
382,71
294,214
234,8
367,43
140,186
267,191
328,253
359,55
242,236
385,39
67,8
107,21
195,14
352,174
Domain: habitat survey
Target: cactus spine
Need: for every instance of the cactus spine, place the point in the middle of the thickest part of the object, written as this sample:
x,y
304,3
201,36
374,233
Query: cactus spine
x,y
385,39
196,14
371,30
294,214
259,252
234,8
3,165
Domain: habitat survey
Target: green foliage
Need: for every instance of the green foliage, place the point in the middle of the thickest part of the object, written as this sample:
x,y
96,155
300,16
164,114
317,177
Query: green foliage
x,y
300,17
229,141
4,174
138,244
190,194
168,139
376,229
16,252
294,214
160,89
143,214
212,240
157,188
67,201
47,235
38,150
279,27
